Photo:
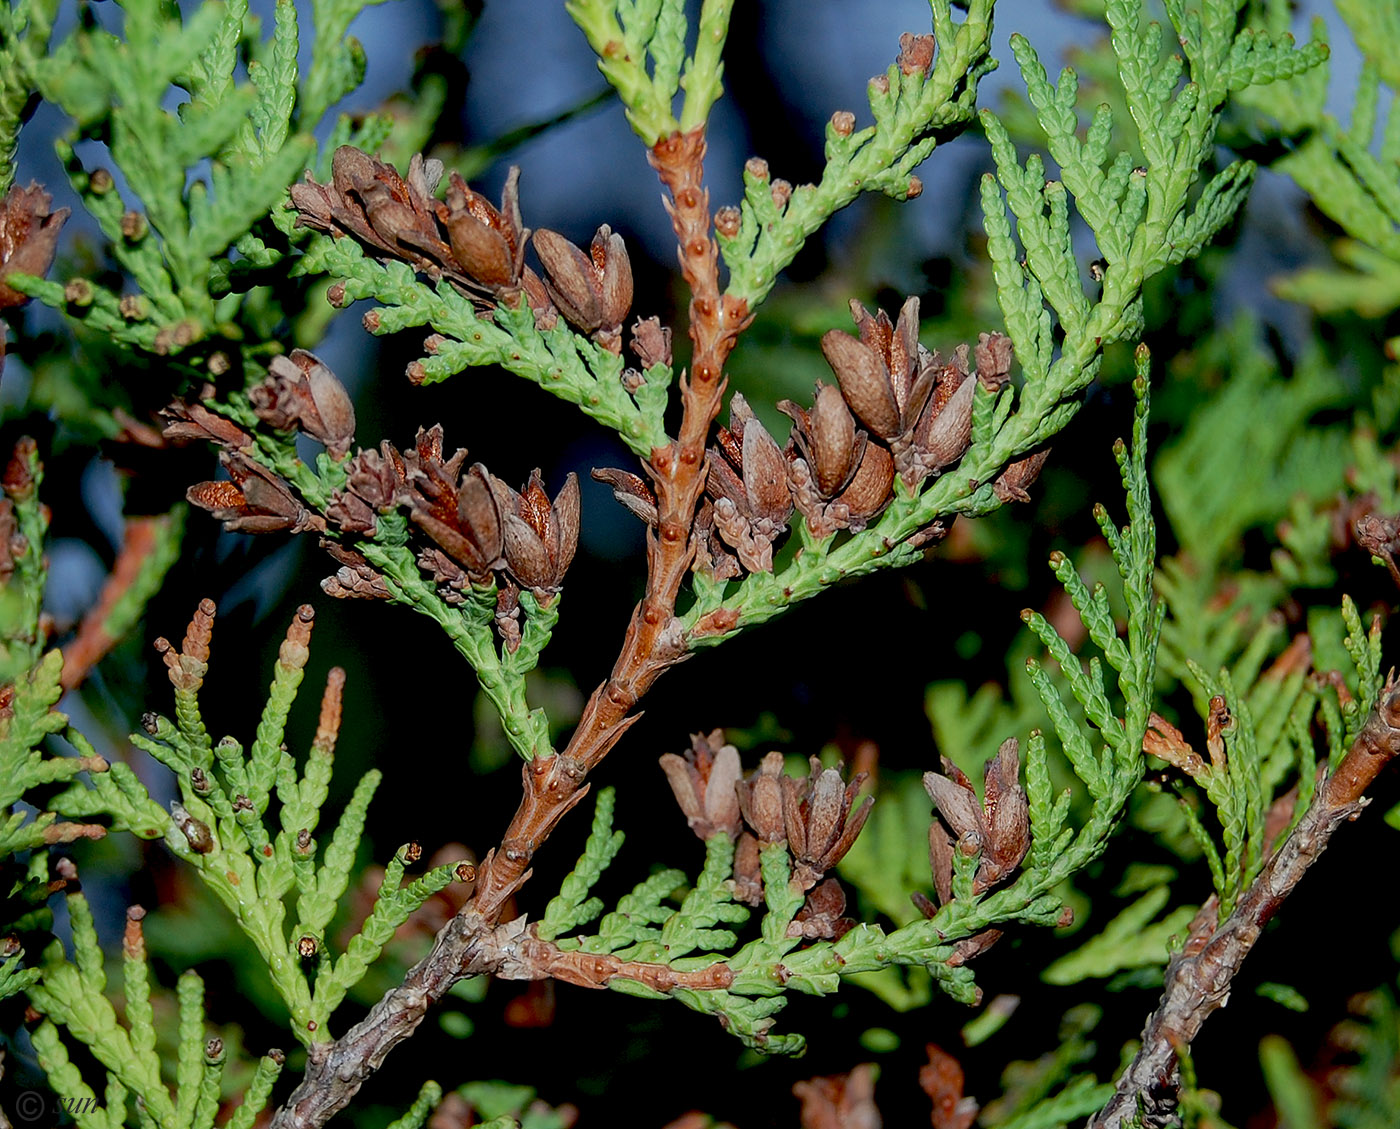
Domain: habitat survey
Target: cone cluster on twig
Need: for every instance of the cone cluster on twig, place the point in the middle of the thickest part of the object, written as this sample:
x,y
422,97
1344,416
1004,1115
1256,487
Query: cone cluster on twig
x,y
465,238
474,525
996,829
897,409
469,241
815,815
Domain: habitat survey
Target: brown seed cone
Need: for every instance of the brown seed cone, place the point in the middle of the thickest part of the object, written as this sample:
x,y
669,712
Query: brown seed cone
x,y
820,825
187,422
870,490
254,500
651,342
704,783
539,536
1013,483
301,392
945,429
761,800
594,290
631,491
841,478
835,446
28,237
998,827
460,512
748,482
864,382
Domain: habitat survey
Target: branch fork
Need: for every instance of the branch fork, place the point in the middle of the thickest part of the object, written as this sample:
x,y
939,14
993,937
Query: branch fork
x,y
473,942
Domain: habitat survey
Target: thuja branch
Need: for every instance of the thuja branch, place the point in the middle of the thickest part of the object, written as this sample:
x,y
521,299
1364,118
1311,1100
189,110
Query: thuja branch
x,y
555,784
654,640
466,946
1199,978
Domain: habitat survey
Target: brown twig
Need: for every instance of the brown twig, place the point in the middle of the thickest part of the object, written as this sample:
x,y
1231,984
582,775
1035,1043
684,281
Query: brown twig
x,y
92,642
466,946
1198,978
653,643
530,958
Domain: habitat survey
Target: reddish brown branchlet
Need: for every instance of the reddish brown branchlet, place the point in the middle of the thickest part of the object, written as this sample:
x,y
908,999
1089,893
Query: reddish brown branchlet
x,y
133,937
187,666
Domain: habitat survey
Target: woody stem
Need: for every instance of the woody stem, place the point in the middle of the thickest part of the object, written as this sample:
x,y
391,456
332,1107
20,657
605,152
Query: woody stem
x,y
1199,977
654,641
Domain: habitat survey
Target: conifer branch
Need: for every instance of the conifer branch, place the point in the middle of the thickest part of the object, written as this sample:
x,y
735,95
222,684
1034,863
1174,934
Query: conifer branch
x,y
467,946
553,785
654,640
1199,977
